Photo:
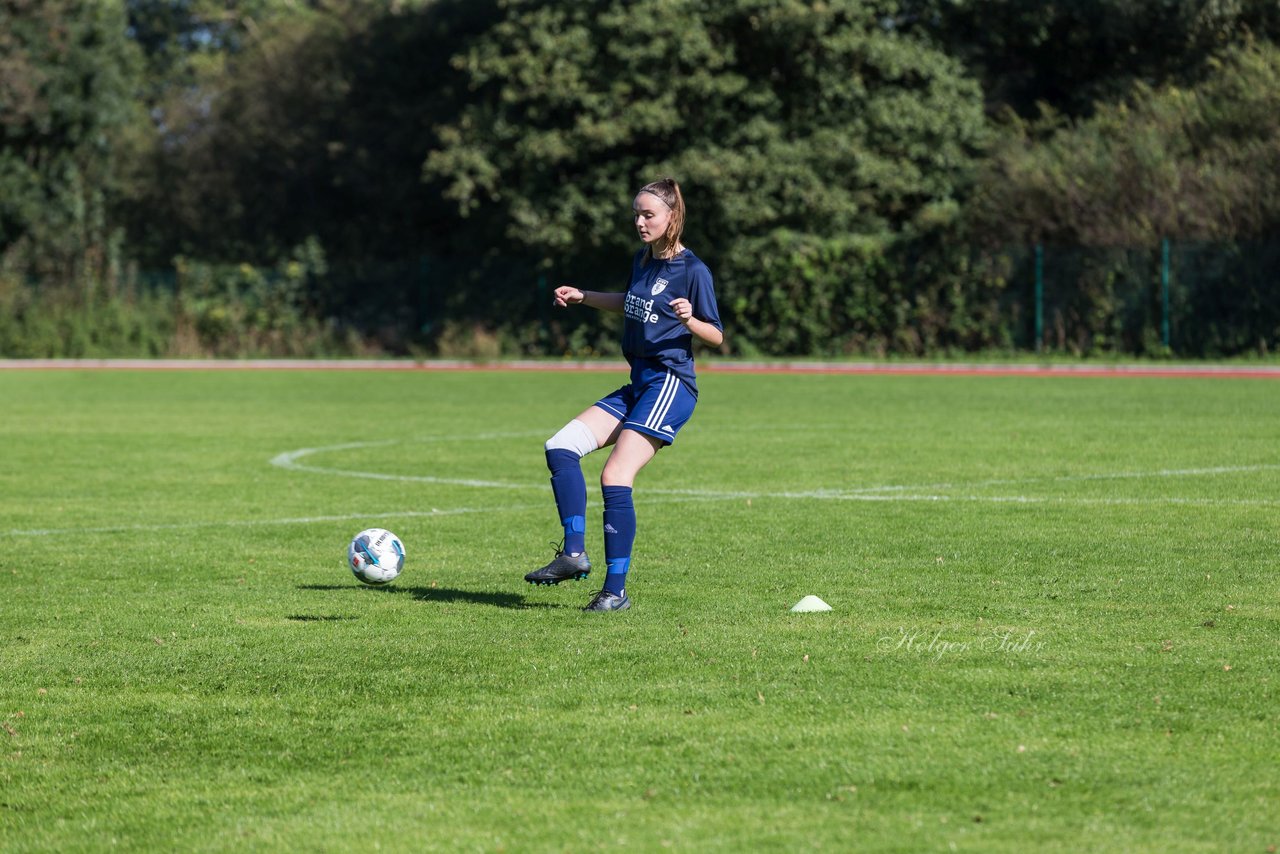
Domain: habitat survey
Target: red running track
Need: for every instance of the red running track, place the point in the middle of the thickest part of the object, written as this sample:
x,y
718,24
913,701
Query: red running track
x,y
705,365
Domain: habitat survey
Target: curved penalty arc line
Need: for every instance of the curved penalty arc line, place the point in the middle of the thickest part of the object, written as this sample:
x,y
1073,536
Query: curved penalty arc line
x,y
290,460
918,492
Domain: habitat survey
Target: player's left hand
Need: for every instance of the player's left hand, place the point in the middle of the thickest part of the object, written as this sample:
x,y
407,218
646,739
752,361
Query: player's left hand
x,y
683,309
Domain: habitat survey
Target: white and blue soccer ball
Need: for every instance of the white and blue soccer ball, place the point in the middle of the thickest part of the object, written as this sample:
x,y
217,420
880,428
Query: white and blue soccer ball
x,y
375,556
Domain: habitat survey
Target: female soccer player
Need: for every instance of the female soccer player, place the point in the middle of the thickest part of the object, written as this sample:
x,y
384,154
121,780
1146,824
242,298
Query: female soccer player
x,y
668,303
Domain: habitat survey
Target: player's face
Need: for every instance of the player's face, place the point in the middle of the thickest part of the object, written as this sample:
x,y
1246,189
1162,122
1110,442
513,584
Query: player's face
x,y
652,216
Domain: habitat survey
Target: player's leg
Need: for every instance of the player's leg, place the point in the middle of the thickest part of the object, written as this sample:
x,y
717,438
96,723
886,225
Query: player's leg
x,y
592,429
663,406
631,453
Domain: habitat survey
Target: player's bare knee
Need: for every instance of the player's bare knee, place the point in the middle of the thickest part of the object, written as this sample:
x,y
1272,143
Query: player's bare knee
x,y
615,474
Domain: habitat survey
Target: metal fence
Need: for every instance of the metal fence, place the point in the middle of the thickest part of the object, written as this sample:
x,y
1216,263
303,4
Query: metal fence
x,y
1186,299
1190,300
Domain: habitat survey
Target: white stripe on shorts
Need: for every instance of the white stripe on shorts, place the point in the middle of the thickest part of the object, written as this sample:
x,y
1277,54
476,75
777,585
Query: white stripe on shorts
x,y
670,385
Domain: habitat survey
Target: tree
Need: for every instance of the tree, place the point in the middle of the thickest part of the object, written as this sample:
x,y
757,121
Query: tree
x,y
1072,56
286,121
775,115
822,121
67,74
1193,164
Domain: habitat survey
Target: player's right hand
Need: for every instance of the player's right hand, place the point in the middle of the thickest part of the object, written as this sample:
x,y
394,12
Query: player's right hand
x,y
567,295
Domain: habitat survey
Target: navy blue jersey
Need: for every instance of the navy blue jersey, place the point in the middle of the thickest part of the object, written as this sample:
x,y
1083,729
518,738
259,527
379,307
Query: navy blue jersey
x,y
651,332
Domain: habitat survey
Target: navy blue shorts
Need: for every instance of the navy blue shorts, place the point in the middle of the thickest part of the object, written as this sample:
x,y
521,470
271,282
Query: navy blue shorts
x,y
655,403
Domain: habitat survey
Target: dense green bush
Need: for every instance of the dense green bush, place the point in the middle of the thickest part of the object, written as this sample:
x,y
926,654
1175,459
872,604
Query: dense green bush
x,y
226,310
243,310
863,296
59,322
930,295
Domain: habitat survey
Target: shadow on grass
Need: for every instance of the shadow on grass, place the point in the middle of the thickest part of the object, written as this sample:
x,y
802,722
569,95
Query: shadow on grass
x,y
445,594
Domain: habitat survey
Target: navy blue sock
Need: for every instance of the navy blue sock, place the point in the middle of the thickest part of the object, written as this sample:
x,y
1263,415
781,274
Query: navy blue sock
x,y
619,535
570,490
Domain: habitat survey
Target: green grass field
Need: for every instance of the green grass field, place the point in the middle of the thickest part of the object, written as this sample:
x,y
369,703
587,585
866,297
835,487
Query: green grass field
x,y
1055,617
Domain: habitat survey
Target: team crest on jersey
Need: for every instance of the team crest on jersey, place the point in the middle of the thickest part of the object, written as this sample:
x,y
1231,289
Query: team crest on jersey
x,y
659,286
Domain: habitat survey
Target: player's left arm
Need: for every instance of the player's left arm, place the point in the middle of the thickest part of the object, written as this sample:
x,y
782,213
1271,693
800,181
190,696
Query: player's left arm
x,y
705,324
707,333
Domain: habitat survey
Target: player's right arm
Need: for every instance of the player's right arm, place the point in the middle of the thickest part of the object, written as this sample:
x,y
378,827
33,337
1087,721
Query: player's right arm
x,y
567,295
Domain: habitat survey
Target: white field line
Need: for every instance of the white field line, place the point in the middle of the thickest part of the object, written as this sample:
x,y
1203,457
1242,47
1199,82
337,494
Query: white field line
x,y
289,460
257,523
1080,478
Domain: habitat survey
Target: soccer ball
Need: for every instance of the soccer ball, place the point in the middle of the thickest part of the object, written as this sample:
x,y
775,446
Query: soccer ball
x,y
375,556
